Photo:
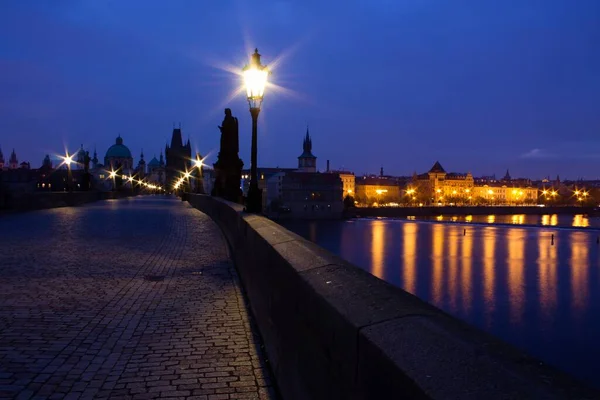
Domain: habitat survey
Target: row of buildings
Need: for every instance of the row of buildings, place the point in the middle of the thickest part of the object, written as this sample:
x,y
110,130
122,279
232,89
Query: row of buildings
x,y
13,162
303,192
55,175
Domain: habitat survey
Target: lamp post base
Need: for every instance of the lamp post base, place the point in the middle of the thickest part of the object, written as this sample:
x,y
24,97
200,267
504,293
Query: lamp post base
x,y
254,200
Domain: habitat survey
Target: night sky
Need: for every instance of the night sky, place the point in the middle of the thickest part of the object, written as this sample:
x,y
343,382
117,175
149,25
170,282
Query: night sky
x,y
481,86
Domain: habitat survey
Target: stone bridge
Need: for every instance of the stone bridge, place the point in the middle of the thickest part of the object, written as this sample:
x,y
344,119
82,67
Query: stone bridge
x,y
152,297
132,298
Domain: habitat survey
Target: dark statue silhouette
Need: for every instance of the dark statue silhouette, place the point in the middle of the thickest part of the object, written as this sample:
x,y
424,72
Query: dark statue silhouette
x,y
86,178
228,168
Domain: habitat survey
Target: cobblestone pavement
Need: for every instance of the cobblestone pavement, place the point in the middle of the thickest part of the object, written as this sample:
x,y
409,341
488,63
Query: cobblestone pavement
x,y
133,298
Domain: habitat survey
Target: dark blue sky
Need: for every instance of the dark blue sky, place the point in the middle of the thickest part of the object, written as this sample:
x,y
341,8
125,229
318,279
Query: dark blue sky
x,y
479,85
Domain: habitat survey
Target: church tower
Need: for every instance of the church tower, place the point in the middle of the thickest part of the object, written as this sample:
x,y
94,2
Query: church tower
x,y
178,157
13,163
95,160
1,160
80,157
141,168
307,162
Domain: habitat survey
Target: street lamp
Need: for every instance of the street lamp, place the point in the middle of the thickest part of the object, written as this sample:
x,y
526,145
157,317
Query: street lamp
x,y
200,180
255,79
113,176
68,160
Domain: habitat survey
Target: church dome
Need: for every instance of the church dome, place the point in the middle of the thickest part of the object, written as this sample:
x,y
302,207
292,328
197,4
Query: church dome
x,y
118,150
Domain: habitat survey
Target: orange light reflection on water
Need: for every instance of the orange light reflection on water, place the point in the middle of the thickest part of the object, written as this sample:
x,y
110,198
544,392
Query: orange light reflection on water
x,y
452,281
378,248
409,272
516,273
466,272
547,262
489,255
517,219
580,220
579,264
437,255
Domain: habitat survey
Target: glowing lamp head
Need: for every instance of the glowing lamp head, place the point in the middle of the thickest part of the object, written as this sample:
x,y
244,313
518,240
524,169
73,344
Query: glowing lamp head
x,y
113,174
255,80
68,160
187,175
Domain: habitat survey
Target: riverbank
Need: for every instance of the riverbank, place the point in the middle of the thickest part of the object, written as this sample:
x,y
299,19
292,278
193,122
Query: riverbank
x,y
398,212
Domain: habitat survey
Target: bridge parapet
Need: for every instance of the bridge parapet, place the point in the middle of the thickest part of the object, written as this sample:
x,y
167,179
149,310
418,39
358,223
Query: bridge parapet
x,y
334,331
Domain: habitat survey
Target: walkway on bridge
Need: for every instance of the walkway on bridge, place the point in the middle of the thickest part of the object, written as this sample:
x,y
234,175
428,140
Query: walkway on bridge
x,y
133,298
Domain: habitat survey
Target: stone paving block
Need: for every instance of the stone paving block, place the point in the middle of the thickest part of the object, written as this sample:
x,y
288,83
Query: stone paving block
x,y
131,298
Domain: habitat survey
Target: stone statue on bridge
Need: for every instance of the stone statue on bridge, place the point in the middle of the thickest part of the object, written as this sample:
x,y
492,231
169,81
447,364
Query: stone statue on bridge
x,y
228,168
86,178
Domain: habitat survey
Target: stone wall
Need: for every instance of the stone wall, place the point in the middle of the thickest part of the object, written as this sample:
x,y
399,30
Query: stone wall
x,y
333,331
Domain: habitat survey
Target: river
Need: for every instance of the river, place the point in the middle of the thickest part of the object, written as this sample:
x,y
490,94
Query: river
x,y
537,287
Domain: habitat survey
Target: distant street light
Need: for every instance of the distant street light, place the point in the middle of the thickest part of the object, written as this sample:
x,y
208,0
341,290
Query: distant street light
x,y
199,180
255,79
68,160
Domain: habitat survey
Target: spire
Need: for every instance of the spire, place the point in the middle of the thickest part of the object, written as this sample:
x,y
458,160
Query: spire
x,y
437,167
1,156
381,171
95,159
307,144
142,154
13,163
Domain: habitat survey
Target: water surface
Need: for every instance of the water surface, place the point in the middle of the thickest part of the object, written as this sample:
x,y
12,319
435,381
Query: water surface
x,y
514,282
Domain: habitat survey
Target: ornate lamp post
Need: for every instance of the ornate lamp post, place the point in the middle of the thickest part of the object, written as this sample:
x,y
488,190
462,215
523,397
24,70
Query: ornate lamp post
x,y
200,179
255,79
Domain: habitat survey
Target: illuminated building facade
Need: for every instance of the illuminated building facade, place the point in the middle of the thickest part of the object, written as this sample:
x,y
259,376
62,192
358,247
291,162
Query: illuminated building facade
x,y
440,187
348,182
503,194
377,189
